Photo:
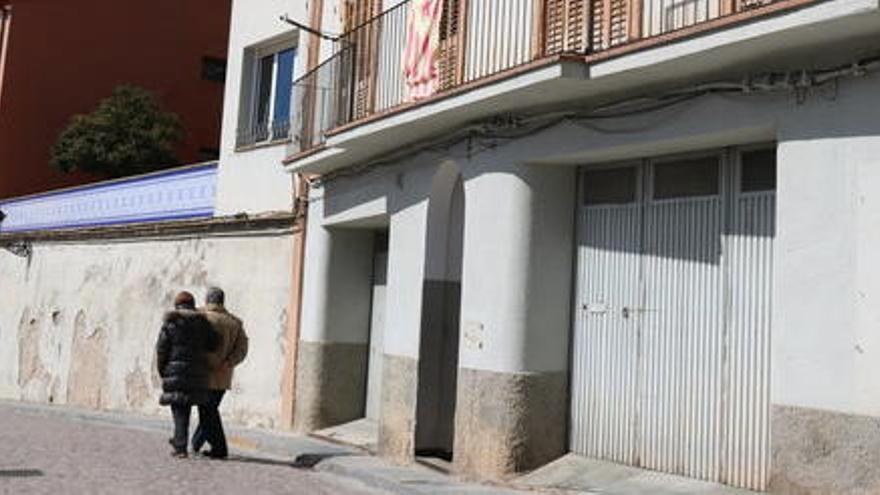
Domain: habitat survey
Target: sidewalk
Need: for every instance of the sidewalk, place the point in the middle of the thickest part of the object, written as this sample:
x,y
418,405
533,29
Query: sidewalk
x,y
292,450
576,474
570,475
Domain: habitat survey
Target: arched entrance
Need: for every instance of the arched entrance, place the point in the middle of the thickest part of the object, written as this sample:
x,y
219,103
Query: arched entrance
x,y
441,308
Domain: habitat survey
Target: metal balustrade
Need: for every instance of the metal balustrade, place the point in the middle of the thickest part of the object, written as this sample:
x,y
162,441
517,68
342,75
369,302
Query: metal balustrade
x,y
263,132
473,40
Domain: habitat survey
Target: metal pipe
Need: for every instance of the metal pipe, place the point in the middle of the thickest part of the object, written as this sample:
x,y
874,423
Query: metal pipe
x,y
286,18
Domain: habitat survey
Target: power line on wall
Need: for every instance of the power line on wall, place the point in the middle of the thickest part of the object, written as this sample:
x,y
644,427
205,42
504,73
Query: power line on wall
x,y
511,127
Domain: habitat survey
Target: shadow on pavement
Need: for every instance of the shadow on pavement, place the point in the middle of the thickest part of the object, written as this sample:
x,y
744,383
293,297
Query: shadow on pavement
x,y
21,473
302,461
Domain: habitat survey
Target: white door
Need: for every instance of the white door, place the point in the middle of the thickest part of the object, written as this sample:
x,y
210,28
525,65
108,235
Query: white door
x,y
671,340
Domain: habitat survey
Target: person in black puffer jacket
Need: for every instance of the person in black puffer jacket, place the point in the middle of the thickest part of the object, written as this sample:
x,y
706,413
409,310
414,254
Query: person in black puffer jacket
x,y
182,351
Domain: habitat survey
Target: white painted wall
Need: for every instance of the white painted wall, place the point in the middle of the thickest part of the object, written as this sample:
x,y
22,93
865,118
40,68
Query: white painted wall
x,y
516,290
507,262
337,280
254,181
826,338
394,198
826,341
117,292
377,335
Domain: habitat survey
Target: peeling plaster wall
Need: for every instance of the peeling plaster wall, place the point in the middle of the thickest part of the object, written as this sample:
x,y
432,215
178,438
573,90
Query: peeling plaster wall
x,y
79,321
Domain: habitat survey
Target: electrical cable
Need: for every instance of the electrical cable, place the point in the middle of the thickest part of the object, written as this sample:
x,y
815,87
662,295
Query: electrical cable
x,y
511,127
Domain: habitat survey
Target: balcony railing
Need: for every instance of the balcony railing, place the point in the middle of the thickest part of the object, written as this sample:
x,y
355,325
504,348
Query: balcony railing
x,y
375,71
263,132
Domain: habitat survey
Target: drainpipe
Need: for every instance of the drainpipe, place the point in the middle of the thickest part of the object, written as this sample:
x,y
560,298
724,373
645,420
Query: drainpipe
x,y
301,208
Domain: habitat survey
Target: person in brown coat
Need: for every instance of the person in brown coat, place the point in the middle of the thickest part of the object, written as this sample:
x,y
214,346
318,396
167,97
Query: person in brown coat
x,y
231,350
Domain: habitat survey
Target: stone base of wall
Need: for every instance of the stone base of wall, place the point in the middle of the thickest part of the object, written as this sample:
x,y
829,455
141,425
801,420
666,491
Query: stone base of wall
x,y
330,384
398,414
821,452
507,423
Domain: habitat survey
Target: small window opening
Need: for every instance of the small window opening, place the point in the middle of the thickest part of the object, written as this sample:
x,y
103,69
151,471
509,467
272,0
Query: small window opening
x,y
214,69
686,178
610,186
758,170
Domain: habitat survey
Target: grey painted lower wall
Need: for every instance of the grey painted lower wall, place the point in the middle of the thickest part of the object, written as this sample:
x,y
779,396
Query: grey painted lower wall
x,y
507,423
79,320
330,384
820,452
398,422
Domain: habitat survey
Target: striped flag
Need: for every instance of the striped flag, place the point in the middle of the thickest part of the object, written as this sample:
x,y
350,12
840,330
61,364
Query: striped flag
x,y
422,44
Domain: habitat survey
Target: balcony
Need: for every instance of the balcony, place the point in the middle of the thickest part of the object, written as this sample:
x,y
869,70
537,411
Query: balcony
x,y
480,43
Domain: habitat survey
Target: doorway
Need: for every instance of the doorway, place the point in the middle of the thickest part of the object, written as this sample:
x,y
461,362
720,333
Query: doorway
x,y
441,308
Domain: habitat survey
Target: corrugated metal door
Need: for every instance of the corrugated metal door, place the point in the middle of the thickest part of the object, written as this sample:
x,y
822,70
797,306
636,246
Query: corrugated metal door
x,y
606,341
748,246
682,319
671,345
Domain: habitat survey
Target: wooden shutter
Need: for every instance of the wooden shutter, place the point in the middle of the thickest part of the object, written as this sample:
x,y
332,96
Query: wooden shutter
x,y
615,22
566,25
449,60
362,33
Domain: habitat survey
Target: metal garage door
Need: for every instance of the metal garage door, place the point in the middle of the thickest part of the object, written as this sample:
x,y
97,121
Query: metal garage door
x,y
671,339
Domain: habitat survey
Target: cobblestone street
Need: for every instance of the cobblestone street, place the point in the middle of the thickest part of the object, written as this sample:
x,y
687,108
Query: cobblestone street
x,y
41,453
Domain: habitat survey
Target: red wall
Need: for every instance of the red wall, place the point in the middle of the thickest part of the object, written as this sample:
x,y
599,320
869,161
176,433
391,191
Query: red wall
x,y
64,56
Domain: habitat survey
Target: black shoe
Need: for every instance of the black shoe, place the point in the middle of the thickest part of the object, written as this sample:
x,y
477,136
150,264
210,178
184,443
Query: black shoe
x,y
178,453
215,455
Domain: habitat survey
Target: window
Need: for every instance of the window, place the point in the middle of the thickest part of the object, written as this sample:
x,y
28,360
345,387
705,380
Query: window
x,y
686,178
758,170
269,82
214,69
610,186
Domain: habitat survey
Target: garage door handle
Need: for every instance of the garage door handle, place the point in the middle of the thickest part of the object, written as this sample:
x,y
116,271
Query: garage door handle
x,y
595,308
626,312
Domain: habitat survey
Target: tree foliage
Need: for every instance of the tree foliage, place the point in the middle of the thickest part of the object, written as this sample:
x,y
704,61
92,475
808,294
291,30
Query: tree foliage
x,y
128,133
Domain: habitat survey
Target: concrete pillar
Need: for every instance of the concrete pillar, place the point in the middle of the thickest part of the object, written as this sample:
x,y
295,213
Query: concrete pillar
x,y
512,405
334,337
406,247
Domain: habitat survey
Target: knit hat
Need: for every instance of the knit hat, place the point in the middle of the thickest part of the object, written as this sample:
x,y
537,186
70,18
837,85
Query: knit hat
x,y
184,299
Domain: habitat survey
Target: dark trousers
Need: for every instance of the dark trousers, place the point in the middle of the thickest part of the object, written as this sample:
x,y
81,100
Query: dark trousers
x,y
210,427
181,426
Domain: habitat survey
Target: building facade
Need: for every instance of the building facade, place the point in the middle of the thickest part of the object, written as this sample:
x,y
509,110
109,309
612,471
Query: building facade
x,y
52,69
89,271
631,230
265,57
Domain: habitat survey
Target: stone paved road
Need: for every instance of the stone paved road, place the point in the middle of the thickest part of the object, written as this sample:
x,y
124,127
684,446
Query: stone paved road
x,y
41,454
